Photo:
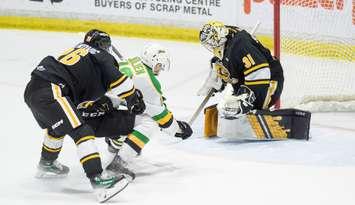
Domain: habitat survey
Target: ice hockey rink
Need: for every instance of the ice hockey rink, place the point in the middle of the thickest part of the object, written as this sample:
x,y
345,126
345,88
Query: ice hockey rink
x,y
320,171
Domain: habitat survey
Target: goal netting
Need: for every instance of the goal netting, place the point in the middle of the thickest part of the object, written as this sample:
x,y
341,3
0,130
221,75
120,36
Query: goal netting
x,y
317,51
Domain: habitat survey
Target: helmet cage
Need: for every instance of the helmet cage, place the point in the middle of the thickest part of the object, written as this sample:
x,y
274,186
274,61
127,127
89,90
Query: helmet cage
x,y
156,58
161,62
213,37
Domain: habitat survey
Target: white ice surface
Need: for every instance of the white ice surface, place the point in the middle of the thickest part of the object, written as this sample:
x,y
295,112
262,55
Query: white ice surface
x,y
196,171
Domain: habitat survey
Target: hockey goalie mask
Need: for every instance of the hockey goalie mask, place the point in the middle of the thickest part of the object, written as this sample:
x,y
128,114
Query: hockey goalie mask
x,y
98,39
213,36
156,57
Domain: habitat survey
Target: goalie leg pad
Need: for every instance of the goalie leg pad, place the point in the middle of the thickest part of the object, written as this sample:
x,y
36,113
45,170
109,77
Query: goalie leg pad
x,y
296,122
211,121
267,125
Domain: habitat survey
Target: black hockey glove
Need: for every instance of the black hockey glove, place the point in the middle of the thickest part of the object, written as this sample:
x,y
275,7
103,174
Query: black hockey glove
x,y
135,103
92,109
186,130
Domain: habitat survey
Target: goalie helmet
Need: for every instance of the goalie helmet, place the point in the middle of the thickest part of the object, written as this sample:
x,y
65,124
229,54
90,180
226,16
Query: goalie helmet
x,y
213,36
98,39
156,57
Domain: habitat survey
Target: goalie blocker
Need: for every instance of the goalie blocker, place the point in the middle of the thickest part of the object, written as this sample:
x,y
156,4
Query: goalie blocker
x,y
259,125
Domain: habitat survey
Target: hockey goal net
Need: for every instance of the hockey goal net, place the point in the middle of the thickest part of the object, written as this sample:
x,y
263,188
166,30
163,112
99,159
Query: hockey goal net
x,y
315,40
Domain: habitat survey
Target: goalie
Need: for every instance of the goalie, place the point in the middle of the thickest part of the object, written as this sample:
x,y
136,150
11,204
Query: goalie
x,y
256,78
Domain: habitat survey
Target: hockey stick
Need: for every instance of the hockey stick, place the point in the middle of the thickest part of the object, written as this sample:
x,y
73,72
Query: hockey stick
x,y
202,105
119,55
210,93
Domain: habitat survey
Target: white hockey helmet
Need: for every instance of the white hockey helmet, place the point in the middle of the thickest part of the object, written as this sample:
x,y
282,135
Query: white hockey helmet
x,y
156,57
213,36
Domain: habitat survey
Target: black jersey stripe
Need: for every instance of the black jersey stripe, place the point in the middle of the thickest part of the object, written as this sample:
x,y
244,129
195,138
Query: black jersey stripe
x,y
52,137
167,123
133,145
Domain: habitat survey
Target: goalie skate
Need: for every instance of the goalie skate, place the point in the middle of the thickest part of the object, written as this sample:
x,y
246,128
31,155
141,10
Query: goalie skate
x,y
107,185
51,169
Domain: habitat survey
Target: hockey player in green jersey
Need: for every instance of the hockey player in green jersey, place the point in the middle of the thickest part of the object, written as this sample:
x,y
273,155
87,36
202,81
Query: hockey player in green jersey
x,y
143,71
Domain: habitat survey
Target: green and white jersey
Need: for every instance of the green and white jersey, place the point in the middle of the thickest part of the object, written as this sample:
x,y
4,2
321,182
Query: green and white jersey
x,y
145,80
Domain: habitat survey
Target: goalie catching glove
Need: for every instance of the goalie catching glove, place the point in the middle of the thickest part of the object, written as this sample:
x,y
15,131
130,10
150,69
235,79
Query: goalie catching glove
x,y
234,106
185,130
92,109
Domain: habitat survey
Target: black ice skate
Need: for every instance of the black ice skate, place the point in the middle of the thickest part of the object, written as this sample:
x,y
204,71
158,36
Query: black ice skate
x,y
51,169
119,166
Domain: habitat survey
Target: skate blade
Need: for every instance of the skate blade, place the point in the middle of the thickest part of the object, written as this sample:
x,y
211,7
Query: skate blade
x,y
49,175
127,176
104,195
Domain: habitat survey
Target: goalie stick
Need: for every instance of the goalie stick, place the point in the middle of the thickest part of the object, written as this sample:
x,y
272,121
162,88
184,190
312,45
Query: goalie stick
x,y
210,93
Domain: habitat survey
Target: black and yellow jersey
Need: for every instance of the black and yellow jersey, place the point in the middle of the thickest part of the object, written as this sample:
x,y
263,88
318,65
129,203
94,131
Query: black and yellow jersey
x,y
247,62
88,73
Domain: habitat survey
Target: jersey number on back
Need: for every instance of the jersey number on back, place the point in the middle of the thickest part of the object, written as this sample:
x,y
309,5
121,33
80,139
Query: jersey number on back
x,y
73,56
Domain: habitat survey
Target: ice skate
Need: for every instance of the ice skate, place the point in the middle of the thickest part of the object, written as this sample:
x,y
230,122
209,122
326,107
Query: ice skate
x,y
119,166
107,185
51,169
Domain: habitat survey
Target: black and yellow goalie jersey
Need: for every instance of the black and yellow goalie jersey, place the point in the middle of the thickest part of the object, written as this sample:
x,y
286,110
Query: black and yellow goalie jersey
x,y
247,62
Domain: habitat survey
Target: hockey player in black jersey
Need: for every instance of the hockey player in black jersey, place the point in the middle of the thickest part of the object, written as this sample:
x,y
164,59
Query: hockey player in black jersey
x,y
59,86
243,62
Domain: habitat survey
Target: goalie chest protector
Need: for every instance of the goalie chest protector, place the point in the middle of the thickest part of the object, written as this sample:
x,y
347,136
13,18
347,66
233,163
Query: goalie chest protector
x,y
260,125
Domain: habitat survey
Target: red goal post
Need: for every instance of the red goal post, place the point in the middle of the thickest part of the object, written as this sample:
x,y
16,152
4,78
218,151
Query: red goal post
x,y
277,28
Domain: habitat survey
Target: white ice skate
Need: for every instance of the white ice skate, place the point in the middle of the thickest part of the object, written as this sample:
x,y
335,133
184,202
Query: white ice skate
x,y
107,185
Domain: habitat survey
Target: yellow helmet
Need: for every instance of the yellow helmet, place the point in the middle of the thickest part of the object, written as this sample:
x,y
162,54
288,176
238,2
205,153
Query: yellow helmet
x,y
213,36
